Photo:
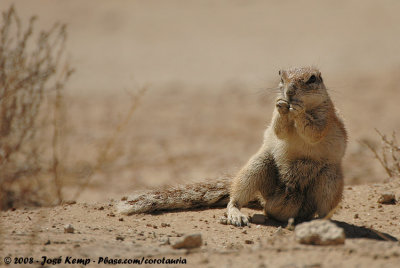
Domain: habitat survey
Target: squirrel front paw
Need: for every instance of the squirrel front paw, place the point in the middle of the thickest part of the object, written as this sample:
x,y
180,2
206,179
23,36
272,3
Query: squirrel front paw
x,y
237,218
296,108
282,106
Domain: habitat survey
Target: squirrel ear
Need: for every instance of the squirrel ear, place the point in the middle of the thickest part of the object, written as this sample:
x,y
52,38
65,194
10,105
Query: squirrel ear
x,y
283,74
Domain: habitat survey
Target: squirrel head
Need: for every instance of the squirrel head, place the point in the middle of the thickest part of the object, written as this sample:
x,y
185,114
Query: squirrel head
x,y
303,84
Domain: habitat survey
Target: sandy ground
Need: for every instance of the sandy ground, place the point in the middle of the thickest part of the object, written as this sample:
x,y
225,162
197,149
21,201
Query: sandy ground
x,y
372,232
210,69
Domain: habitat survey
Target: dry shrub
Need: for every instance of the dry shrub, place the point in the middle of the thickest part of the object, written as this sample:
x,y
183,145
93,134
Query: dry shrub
x,y
388,154
33,73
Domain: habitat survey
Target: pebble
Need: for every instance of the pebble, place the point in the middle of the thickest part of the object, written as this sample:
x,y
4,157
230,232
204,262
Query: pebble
x,y
165,241
319,232
120,237
258,219
69,229
290,225
387,198
189,242
278,231
68,202
223,220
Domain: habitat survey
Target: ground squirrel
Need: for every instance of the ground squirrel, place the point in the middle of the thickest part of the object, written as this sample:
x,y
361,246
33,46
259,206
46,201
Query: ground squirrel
x,y
296,173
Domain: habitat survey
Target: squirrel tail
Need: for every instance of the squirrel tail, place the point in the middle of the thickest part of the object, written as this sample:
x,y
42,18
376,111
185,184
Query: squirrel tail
x,y
211,193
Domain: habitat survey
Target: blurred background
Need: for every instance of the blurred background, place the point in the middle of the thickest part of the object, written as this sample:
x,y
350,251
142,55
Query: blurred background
x,y
169,92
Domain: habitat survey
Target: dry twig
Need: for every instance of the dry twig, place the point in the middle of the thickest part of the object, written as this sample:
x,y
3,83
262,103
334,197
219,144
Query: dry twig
x,y
388,154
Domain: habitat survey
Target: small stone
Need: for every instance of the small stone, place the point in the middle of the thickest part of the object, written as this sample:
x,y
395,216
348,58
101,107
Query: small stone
x,y
120,238
101,208
223,220
356,216
319,232
290,224
177,234
69,229
47,242
278,231
111,214
387,198
121,219
258,219
189,242
165,241
68,202
124,198
163,224
249,242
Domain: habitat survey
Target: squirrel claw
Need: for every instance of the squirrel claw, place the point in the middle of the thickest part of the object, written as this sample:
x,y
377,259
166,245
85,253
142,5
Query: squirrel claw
x,y
282,106
238,219
296,108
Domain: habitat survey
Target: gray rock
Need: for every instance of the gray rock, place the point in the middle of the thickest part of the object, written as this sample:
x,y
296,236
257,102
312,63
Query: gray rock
x,y
319,232
189,241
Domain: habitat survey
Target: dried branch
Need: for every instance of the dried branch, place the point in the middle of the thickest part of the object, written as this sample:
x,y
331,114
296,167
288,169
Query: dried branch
x,y
30,73
389,154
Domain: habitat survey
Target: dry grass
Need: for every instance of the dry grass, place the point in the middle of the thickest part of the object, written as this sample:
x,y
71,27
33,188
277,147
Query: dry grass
x,y
33,73
105,156
388,154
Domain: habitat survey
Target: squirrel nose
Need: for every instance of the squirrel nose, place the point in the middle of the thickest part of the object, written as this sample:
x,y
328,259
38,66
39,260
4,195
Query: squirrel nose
x,y
290,91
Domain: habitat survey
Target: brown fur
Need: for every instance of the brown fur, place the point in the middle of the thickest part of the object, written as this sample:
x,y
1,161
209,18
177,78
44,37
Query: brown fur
x,y
297,171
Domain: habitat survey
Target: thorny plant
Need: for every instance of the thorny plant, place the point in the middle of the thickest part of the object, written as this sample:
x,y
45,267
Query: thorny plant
x,y
32,78
388,154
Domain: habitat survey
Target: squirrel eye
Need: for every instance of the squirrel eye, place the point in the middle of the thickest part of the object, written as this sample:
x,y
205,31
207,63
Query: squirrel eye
x,y
312,79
